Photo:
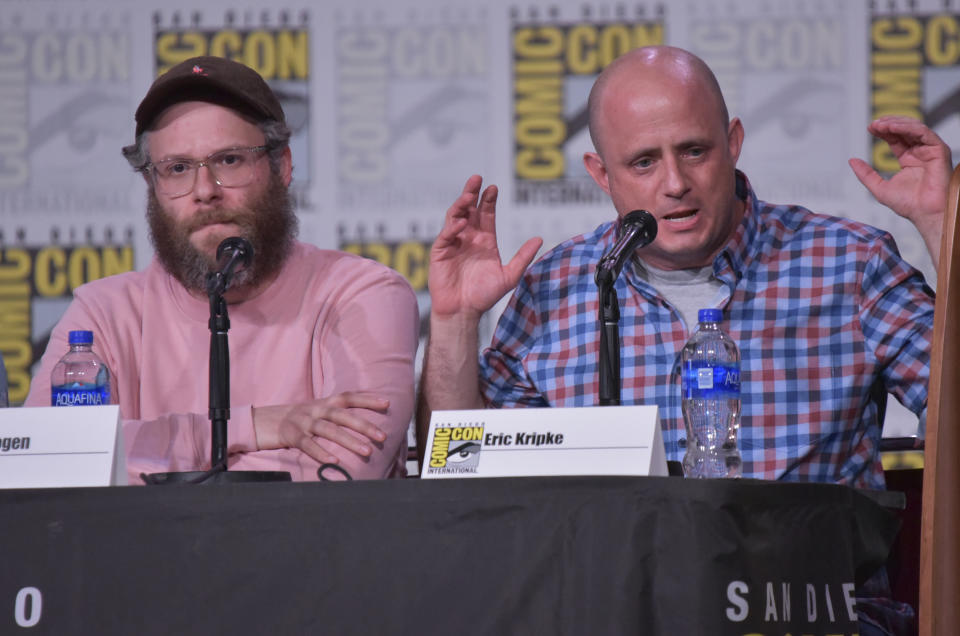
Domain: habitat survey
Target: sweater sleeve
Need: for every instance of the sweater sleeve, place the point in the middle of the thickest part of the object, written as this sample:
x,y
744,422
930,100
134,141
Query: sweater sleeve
x,y
369,344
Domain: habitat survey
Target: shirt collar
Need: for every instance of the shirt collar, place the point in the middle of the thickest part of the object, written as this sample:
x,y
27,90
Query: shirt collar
x,y
738,252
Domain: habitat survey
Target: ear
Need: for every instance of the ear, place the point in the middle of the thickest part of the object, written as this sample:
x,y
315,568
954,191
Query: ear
x,y
597,169
286,166
735,138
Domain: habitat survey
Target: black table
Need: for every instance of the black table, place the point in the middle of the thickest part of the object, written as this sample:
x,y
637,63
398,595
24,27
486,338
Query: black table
x,y
585,555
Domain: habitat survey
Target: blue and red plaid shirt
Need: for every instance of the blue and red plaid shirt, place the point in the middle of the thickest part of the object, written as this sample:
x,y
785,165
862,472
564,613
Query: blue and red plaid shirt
x,y
828,317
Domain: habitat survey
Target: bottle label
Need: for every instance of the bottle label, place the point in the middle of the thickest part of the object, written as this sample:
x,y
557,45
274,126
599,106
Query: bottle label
x,y
67,396
701,380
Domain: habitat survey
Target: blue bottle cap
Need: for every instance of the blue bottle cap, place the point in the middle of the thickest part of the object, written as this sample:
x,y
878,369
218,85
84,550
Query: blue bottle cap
x,y
80,337
710,315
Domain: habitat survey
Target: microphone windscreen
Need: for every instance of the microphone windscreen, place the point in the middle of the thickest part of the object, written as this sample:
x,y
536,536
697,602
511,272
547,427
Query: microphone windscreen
x,y
237,244
642,220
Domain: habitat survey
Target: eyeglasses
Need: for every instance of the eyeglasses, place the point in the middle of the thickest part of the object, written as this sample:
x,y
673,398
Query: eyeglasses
x,y
230,168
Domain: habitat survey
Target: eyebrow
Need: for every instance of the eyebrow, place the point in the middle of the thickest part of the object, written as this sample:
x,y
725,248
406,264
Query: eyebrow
x,y
691,143
215,152
655,151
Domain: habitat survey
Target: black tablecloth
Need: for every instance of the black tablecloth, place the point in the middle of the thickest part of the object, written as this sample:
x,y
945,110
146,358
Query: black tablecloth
x,y
586,555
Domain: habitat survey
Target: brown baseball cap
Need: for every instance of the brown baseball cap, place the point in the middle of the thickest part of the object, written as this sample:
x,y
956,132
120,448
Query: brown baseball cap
x,y
210,79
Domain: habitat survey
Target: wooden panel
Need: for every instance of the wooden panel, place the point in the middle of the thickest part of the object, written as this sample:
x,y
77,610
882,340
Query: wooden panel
x,y
940,525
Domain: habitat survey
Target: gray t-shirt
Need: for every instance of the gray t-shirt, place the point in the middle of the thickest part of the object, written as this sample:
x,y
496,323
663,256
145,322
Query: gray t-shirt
x,y
686,290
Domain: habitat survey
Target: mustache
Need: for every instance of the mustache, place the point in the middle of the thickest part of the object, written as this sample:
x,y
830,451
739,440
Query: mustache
x,y
213,216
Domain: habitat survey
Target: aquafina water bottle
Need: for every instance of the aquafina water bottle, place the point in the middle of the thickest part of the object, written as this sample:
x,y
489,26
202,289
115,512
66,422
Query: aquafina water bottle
x,y
80,378
710,400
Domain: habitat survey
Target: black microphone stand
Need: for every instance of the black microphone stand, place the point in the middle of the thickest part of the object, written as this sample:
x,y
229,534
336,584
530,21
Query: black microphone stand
x,y
636,229
219,398
219,410
609,318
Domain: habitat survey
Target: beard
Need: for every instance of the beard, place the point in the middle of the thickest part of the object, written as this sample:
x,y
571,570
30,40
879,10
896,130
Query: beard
x,y
267,221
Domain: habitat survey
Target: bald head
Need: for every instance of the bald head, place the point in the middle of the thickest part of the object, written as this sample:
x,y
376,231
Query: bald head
x,y
651,66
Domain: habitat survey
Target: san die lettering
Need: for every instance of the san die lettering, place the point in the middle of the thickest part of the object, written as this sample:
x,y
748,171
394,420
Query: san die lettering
x,y
785,603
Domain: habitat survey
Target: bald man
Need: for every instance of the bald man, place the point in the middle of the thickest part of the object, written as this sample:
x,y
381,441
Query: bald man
x,y
828,317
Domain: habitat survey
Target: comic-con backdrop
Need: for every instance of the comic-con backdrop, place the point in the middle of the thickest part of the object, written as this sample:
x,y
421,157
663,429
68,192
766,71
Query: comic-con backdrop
x,y
394,104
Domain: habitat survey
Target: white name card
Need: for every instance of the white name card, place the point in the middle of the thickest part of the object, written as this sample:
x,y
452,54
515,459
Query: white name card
x,y
602,440
51,447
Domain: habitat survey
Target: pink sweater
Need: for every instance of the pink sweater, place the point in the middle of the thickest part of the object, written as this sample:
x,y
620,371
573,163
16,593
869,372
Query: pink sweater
x,y
331,322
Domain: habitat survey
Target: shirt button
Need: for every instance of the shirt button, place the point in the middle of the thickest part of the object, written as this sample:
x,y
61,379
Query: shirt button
x,y
682,443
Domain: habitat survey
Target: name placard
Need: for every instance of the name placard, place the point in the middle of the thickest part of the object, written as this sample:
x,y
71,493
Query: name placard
x,y
51,447
606,440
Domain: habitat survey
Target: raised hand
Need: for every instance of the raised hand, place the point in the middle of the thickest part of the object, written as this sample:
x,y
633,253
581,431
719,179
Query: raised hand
x,y
467,276
918,191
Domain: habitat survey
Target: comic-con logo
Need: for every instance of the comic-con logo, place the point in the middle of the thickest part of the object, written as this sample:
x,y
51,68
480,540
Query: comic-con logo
x,y
554,66
276,45
456,449
411,113
410,258
36,285
64,98
785,72
914,72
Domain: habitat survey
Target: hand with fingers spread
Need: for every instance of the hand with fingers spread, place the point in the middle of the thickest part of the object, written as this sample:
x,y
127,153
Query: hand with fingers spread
x,y
466,274
918,191
331,418
466,279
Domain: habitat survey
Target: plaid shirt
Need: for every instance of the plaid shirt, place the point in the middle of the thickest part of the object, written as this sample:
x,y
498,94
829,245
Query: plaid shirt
x,y
827,315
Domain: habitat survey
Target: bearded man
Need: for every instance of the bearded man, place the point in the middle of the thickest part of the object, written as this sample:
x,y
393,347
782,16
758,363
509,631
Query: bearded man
x,y
322,343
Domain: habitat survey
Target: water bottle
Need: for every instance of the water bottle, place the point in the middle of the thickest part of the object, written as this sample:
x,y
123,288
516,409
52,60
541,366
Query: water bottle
x,y
80,377
710,400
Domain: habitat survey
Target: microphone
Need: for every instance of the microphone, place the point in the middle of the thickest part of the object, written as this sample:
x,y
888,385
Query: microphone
x,y
232,253
637,229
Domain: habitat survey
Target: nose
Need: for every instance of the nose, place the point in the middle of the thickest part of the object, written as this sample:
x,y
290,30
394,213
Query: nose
x,y
206,189
675,183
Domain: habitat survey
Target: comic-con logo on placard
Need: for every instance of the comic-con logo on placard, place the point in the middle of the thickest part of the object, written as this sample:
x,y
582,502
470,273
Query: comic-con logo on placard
x,y
914,71
64,107
36,285
274,42
555,62
412,105
455,449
